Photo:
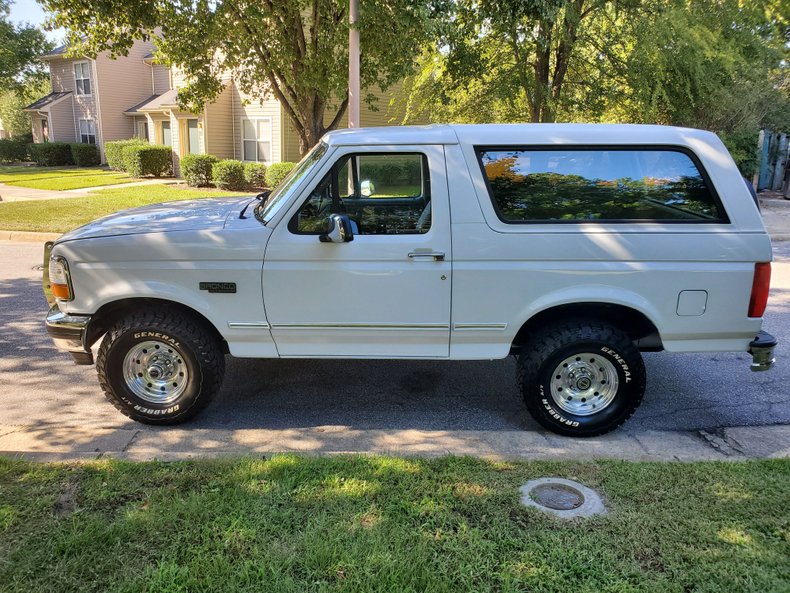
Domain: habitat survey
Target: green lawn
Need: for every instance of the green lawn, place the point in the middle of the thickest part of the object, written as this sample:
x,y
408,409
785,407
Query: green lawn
x,y
63,214
61,178
368,524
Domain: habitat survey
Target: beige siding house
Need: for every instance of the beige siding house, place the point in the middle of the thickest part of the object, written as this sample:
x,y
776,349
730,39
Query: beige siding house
x,y
89,97
101,100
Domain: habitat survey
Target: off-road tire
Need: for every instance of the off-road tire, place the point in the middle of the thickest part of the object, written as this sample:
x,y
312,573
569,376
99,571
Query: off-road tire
x,y
550,346
202,356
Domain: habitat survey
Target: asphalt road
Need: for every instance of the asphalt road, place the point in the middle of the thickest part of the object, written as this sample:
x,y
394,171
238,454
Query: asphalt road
x,y
41,385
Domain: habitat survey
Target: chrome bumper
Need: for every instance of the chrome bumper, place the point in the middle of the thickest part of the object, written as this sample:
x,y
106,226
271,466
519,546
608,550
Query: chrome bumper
x,y
68,333
762,351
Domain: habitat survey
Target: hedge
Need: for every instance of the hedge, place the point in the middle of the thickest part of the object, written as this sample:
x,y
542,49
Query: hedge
x,y
113,152
276,172
51,154
228,174
392,172
144,159
13,150
85,155
196,169
255,174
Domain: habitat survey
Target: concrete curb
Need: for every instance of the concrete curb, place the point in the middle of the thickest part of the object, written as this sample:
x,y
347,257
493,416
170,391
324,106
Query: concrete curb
x,y
28,236
78,443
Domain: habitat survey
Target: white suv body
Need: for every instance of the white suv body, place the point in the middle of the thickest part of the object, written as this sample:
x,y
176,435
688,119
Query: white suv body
x,y
439,242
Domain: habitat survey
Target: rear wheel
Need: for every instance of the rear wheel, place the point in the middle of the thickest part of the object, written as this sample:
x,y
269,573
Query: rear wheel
x,y
160,368
582,378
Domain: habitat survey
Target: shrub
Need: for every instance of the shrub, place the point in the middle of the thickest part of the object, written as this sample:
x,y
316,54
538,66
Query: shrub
x,y
51,154
196,169
113,152
147,159
276,172
255,174
14,150
228,174
85,155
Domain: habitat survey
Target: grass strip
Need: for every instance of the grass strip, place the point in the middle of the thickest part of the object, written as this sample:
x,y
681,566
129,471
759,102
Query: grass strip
x,y
369,524
63,214
58,179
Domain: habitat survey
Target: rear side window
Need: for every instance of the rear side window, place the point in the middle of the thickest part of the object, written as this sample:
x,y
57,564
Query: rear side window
x,y
598,184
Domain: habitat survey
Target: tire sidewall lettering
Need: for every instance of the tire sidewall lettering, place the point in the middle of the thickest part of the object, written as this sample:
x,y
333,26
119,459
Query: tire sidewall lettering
x,y
552,411
620,360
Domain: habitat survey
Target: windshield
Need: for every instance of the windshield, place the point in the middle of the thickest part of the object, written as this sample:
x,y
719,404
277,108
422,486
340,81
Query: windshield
x,y
279,197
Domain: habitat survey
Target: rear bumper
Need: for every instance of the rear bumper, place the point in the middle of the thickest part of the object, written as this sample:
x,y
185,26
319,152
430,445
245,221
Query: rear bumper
x,y
762,351
68,333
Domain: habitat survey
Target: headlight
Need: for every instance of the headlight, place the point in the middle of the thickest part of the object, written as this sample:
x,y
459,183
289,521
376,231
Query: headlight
x,y
60,279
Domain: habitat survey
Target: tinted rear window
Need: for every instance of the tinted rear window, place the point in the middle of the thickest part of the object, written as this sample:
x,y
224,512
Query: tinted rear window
x,y
612,184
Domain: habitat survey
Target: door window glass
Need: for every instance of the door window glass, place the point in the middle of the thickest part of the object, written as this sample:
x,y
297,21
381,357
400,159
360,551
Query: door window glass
x,y
382,194
167,137
194,137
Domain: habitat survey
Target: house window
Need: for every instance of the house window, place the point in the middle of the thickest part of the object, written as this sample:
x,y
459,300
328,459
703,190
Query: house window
x,y
87,131
45,130
82,78
256,141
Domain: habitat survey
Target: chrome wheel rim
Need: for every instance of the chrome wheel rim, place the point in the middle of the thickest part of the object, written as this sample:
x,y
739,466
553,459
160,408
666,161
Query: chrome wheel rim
x,y
155,372
584,384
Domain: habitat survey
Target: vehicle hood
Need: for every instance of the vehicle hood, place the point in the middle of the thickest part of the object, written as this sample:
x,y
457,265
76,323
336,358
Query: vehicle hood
x,y
187,215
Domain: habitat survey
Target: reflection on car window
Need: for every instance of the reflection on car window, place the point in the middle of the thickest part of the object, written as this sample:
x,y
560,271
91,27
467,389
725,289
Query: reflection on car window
x,y
382,194
265,211
583,185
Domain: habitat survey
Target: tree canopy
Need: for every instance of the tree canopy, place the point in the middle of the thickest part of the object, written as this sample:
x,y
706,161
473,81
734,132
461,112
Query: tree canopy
x,y
715,64
294,50
20,48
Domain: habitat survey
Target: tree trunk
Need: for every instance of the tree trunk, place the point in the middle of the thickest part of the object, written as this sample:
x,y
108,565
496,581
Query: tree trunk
x,y
310,126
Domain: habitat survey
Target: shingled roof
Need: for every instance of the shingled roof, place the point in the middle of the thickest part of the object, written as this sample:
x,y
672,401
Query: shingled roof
x,y
46,101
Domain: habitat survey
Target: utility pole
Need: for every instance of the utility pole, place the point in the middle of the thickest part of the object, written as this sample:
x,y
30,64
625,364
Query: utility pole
x,y
353,64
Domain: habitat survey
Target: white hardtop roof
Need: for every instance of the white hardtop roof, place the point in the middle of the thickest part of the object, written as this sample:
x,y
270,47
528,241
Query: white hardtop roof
x,y
509,134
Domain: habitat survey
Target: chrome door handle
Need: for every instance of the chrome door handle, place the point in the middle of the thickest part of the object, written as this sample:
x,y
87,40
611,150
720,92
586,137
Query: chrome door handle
x,y
435,255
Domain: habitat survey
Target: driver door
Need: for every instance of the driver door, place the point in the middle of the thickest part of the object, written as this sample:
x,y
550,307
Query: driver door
x,y
386,293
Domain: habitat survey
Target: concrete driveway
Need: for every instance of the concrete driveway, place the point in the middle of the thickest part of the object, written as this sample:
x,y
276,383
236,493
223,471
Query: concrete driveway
x,y
49,405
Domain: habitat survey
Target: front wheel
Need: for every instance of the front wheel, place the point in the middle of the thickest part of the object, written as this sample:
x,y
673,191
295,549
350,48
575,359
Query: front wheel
x,y
160,367
582,378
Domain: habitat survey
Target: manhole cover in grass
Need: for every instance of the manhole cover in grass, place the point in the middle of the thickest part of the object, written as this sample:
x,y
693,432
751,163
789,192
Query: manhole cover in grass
x,y
563,498
557,496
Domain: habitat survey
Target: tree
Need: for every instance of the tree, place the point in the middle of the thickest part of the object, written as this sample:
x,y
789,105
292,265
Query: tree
x,y
523,59
20,48
720,65
15,121
294,50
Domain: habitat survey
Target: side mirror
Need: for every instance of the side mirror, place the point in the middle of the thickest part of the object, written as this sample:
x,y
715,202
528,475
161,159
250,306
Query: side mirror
x,y
339,226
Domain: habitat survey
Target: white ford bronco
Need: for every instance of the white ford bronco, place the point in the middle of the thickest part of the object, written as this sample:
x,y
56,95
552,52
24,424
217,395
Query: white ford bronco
x,y
572,247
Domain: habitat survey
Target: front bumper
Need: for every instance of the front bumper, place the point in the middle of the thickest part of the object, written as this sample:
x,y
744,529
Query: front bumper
x,y
762,351
68,332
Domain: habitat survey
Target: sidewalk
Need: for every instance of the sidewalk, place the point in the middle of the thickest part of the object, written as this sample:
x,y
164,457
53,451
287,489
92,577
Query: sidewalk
x,y
14,193
66,443
776,215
